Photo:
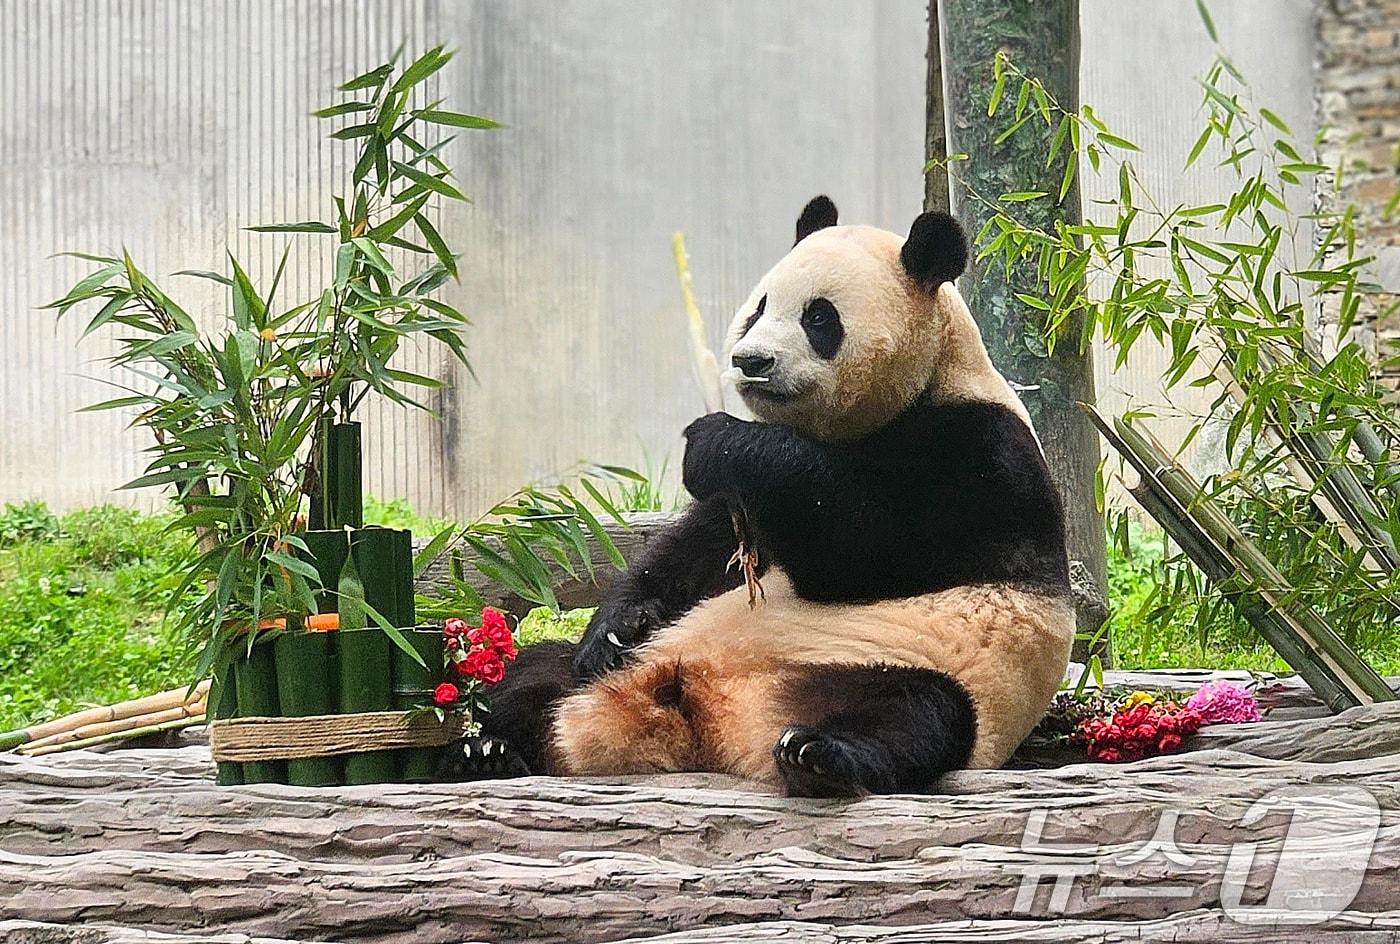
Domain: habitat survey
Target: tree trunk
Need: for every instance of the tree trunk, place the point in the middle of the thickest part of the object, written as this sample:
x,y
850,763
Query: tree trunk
x,y
1042,38
935,121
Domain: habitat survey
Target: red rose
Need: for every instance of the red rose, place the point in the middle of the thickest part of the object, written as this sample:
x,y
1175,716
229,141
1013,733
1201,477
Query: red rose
x,y
492,671
454,627
484,665
445,694
1169,742
501,640
492,618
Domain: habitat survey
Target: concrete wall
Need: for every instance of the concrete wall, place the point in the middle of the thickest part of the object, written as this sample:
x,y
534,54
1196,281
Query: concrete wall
x,y
168,126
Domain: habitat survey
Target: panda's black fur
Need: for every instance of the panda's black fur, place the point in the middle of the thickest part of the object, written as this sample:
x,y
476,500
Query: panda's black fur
x,y
946,495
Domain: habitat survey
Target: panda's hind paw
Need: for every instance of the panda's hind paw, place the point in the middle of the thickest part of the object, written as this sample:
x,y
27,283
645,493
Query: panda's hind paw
x,y
814,763
480,758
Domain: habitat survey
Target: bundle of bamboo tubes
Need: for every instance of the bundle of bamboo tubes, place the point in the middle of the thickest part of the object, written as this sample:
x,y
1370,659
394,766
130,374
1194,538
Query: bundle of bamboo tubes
x,y
1242,573
165,711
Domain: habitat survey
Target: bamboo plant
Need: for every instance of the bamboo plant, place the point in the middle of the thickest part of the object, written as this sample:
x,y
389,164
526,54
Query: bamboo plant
x,y
237,410
1234,291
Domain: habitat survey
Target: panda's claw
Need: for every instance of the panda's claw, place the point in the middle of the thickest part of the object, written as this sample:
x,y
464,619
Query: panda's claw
x,y
481,758
814,763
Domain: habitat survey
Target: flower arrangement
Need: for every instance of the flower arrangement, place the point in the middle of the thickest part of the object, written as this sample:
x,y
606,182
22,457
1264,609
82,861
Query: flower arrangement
x,y
475,658
1224,703
1142,724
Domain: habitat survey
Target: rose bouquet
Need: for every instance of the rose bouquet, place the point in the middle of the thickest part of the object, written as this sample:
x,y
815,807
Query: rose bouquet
x,y
475,658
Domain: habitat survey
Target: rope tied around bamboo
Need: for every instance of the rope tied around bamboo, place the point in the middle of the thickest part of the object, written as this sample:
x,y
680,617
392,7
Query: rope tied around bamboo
x,y
270,738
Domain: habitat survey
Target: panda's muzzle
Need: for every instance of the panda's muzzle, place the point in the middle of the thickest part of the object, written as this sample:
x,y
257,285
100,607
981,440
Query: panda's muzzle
x,y
753,366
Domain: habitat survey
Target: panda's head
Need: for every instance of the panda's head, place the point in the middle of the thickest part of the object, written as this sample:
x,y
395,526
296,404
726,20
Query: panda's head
x,y
853,324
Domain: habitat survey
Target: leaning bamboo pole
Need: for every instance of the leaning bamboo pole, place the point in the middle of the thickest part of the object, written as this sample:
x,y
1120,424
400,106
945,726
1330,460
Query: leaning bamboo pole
x,y
1233,562
145,705
707,372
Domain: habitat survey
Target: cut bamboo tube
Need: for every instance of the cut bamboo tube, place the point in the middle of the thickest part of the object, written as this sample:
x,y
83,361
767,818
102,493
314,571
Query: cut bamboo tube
x,y
127,709
223,701
255,677
328,552
120,736
306,670
112,727
366,675
413,688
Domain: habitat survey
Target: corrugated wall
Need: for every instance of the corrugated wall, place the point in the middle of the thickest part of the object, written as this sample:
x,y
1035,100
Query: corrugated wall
x,y
168,126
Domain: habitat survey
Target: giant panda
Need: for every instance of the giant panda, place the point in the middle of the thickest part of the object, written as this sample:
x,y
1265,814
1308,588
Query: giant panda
x,y
915,614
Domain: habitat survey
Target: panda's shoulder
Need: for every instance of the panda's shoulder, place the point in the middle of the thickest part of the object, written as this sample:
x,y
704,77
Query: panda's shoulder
x,y
969,431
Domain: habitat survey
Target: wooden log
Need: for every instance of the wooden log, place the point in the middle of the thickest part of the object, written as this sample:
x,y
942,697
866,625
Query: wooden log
x,y
577,590
572,591
605,896
143,838
1195,925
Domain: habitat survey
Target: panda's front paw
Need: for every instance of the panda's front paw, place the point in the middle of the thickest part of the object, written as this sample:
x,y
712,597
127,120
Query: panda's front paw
x,y
480,758
816,764
706,441
615,630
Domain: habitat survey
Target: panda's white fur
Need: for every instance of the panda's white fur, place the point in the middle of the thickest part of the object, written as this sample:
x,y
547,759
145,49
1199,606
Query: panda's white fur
x,y
1008,647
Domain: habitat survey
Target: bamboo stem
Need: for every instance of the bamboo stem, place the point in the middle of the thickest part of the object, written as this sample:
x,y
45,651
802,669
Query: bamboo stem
x,y
175,725
706,366
126,709
112,727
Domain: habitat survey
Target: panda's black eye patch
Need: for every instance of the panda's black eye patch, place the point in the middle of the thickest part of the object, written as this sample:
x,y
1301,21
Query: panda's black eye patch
x,y
822,323
757,314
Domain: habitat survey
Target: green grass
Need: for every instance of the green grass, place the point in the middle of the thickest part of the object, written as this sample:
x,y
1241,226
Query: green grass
x,y
80,610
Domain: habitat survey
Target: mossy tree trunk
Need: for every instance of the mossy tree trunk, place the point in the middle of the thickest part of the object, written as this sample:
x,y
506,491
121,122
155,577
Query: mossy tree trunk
x,y
1042,38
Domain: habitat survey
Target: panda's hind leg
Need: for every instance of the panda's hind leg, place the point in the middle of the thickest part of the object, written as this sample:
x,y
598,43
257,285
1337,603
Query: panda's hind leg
x,y
514,740
871,729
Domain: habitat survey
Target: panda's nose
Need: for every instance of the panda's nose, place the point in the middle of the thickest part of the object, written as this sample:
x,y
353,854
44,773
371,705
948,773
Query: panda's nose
x,y
753,365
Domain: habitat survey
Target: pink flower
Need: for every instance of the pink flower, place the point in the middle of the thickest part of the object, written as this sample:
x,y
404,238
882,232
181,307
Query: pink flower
x,y
445,694
1224,703
454,627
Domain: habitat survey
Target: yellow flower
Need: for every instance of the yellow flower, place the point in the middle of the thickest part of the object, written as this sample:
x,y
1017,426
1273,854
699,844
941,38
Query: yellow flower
x,y
1139,698
267,334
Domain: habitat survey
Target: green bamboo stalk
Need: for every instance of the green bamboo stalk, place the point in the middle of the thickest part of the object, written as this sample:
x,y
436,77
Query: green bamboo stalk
x,y
366,682
328,552
1363,681
1214,562
1153,463
306,673
413,687
255,682
223,704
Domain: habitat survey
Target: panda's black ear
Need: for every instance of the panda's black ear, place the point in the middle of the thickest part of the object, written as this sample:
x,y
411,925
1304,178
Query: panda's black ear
x,y
818,214
936,250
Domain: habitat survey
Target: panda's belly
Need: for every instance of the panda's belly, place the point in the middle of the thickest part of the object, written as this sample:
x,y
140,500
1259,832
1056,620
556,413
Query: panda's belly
x,y
1008,647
